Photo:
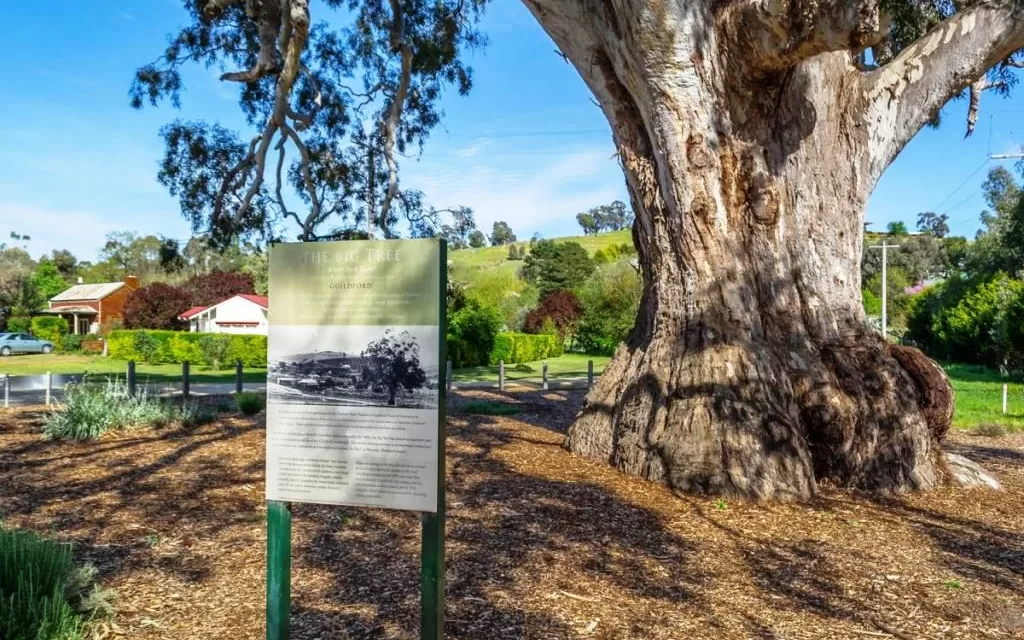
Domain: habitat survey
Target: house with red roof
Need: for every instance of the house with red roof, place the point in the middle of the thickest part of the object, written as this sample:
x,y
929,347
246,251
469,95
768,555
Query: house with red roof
x,y
242,313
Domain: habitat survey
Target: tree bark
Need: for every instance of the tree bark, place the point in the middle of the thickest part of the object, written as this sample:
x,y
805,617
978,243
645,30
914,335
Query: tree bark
x,y
751,370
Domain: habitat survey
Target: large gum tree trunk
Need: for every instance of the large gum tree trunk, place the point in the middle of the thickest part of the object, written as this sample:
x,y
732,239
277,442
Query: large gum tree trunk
x,y
750,370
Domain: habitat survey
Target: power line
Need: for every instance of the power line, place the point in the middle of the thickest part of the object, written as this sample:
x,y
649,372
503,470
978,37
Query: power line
x,y
961,185
527,134
973,194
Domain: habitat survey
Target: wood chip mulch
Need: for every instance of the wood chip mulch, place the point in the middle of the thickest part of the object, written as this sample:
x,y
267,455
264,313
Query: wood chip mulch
x,y
541,544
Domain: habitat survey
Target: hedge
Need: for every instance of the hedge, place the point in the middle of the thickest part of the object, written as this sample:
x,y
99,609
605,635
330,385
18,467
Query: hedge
x,y
158,346
51,328
19,324
513,348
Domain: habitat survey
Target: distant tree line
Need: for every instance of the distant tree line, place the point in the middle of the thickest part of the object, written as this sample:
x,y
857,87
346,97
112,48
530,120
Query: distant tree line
x,y
609,217
27,283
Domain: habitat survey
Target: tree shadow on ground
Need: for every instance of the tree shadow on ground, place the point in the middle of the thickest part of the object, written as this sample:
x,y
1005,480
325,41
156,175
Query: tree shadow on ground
x,y
86,490
501,521
530,555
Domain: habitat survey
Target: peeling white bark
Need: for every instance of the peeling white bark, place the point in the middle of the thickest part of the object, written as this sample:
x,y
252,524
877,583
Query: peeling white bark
x,y
906,93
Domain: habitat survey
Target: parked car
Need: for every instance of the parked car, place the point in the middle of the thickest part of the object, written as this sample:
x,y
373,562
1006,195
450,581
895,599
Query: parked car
x,y
23,343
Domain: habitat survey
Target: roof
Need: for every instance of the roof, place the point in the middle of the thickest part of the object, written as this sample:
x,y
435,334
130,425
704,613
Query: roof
x,y
88,291
260,300
79,309
191,312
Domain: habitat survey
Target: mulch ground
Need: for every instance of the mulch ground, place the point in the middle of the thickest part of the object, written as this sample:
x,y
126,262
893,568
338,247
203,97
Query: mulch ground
x,y
541,544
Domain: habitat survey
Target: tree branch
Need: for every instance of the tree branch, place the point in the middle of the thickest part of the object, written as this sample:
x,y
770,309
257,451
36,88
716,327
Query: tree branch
x,y
268,16
307,174
773,35
984,84
296,23
909,91
278,190
399,44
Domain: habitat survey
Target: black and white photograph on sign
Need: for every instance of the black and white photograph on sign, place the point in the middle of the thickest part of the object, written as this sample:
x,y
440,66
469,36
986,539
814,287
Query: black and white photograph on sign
x,y
361,366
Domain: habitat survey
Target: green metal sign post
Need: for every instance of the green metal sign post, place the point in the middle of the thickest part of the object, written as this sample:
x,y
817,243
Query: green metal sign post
x,y
279,569
432,561
432,553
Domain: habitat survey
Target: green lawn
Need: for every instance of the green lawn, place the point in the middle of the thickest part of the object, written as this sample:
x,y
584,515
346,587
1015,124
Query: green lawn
x,y
34,364
469,264
978,390
979,397
571,365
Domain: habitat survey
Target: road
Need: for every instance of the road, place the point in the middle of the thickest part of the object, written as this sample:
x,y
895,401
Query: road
x,y
24,397
38,396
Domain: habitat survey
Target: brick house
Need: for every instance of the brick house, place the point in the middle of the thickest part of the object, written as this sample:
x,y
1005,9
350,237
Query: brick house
x,y
87,307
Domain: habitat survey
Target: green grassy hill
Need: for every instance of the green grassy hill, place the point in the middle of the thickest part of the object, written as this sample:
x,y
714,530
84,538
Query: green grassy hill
x,y
469,265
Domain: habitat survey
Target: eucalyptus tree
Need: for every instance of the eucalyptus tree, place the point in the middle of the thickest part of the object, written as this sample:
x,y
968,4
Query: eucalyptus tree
x,y
332,107
750,132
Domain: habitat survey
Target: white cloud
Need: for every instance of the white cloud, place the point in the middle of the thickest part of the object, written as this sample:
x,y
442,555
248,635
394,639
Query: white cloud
x,y
531,191
473,150
82,232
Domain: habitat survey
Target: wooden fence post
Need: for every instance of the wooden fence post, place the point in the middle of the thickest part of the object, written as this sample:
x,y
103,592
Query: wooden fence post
x,y
131,378
501,375
1004,397
238,376
184,380
7,390
544,376
49,387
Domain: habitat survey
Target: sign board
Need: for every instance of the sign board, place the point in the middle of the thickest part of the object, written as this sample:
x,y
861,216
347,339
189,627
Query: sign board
x,y
353,373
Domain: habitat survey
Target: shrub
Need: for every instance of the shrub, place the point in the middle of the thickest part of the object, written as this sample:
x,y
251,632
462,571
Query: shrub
x,y
43,596
214,348
561,308
175,346
33,572
610,300
51,328
250,403
471,334
971,321
185,348
190,415
990,430
89,411
210,288
513,348
156,306
72,343
251,350
19,324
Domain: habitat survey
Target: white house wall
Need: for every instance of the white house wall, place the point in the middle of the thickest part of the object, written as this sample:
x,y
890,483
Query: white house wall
x,y
233,310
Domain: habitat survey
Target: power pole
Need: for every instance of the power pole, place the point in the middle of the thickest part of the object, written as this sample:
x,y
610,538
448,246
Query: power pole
x,y
885,246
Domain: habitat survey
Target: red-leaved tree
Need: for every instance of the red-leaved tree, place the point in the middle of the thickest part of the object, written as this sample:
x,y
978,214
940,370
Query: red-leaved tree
x,y
156,306
210,288
562,307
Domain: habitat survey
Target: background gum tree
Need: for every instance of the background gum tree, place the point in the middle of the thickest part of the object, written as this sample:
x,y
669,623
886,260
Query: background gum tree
x,y
751,133
393,361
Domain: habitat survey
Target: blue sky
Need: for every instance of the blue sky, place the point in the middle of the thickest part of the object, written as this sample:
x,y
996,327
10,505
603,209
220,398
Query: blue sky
x,y
527,146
